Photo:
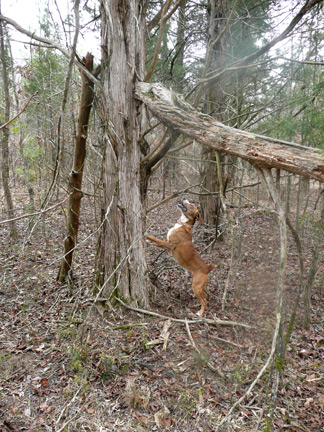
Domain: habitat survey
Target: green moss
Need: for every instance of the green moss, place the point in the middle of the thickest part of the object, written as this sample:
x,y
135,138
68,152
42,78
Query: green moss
x,y
279,363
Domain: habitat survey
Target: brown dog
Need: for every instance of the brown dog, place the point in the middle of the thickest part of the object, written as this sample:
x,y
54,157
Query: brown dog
x,y
179,242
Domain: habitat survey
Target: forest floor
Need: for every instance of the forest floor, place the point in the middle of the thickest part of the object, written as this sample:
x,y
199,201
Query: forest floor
x,y
69,364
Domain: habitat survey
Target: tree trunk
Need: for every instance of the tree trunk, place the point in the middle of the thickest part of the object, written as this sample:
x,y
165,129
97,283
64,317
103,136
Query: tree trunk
x,y
121,259
177,64
76,175
5,137
259,150
308,286
177,72
28,184
215,59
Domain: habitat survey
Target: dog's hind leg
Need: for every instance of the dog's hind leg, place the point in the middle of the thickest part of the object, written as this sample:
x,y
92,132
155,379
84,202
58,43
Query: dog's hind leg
x,y
199,282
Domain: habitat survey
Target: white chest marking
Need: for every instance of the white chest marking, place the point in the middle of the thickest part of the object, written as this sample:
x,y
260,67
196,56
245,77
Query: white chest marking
x,y
183,219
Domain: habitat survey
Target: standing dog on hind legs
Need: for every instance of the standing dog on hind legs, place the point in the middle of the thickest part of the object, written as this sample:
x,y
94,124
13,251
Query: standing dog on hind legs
x,y
179,243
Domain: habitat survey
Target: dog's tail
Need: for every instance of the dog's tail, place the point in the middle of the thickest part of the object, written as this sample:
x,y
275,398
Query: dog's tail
x,y
211,267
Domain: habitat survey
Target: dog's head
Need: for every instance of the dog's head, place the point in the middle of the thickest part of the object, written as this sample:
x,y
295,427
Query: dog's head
x,y
190,210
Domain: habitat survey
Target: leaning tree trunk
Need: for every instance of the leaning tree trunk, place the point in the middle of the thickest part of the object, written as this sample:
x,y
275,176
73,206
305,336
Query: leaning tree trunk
x,y
76,175
122,266
259,150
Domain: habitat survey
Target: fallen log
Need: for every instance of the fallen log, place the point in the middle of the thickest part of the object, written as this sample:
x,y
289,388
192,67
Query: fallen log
x,y
261,151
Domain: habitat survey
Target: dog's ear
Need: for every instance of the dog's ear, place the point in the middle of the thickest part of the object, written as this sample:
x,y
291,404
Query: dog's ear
x,y
200,220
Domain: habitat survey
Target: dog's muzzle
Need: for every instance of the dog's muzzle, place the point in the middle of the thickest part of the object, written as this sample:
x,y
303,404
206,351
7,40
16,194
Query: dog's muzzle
x,y
182,206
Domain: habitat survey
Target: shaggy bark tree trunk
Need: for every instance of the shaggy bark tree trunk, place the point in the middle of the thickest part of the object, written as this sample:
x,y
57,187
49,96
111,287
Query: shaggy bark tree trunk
x,y
215,59
73,218
121,261
259,150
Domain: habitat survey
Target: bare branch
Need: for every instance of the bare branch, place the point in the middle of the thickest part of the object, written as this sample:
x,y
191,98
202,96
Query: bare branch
x,y
310,4
63,105
50,44
209,53
156,19
170,197
195,321
159,40
36,213
307,62
203,357
20,112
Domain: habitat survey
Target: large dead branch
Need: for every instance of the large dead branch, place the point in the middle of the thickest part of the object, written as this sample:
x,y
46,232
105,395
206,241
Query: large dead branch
x,y
259,150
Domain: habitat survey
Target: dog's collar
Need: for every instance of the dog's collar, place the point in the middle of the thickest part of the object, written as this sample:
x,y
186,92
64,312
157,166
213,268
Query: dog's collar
x,y
184,224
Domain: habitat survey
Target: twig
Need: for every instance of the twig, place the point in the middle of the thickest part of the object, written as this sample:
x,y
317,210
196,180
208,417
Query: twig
x,y
196,321
20,112
170,197
259,421
164,336
227,341
210,366
308,62
294,424
163,22
124,326
14,374
260,374
54,304
164,18
230,223
121,263
68,404
180,146
267,179
92,234
36,213
75,415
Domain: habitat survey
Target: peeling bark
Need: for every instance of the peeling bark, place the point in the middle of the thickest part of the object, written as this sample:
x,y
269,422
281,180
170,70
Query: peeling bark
x,y
211,205
122,240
